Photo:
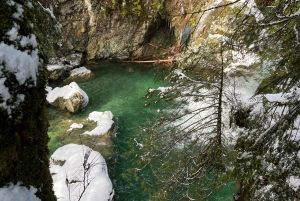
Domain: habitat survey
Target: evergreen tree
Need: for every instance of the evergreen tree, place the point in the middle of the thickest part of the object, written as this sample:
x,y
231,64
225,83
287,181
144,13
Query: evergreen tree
x,y
27,34
185,149
268,161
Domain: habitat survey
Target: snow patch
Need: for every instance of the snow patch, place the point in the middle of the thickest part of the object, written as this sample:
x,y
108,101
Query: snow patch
x,y
19,12
104,122
294,182
22,64
16,192
13,32
55,67
28,40
48,89
82,169
240,59
75,125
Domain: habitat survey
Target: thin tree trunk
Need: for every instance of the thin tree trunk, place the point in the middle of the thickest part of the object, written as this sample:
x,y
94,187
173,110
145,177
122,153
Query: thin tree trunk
x,y
219,118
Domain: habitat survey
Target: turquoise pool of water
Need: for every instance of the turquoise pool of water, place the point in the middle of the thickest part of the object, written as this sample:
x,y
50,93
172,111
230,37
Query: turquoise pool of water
x,y
120,88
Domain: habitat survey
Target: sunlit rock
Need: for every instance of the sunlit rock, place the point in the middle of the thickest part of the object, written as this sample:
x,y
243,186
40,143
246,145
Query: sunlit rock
x,y
81,74
56,72
70,97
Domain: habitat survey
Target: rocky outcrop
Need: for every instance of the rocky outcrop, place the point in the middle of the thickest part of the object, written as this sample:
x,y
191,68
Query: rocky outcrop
x,y
70,97
109,29
103,29
56,72
81,74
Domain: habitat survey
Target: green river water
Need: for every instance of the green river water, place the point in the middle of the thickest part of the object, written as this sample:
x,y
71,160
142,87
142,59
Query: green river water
x,y
120,88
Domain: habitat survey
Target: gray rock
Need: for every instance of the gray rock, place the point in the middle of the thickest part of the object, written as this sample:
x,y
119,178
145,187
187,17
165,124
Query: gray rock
x,y
81,74
56,72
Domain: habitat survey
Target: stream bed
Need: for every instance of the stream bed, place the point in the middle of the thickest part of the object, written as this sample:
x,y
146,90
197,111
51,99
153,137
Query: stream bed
x,y
119,88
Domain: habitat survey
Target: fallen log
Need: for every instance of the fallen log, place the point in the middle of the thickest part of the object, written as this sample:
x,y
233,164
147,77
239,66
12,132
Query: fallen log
x,y
152,61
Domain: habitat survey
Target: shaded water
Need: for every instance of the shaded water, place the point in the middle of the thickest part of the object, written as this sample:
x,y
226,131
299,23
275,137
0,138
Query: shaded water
x,y
119,88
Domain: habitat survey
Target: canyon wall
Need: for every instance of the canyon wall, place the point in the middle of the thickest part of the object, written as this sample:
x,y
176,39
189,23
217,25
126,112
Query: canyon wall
x,y
111,29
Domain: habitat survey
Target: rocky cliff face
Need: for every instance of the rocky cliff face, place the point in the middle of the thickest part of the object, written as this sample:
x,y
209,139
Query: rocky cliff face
x,y
104,29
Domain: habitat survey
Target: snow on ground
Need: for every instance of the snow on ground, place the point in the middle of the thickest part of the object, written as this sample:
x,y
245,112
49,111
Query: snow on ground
x,y
17,192
67,92
78,171
104,122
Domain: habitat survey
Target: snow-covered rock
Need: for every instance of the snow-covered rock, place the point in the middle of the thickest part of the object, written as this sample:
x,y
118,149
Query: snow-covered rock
x,y
70,97
78,171
104,122
75,126
17,192
70,61
81,74
56,72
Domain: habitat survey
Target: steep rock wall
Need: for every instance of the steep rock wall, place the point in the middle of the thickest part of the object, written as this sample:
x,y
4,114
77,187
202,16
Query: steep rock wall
x,y
100,29
104,29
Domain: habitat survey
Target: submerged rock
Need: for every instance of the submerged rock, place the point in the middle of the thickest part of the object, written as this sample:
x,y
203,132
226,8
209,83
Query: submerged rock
x,y
81,74
70,97
79,171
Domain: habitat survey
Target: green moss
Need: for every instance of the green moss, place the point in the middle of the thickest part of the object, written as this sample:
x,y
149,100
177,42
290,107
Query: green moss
x,y
193,21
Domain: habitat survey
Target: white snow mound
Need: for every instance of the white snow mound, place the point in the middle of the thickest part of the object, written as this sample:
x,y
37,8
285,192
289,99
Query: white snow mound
x,y
104,122
83,169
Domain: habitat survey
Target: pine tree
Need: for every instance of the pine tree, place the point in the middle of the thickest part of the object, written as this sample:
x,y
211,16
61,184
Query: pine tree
x,y
27,35
268,161
184,149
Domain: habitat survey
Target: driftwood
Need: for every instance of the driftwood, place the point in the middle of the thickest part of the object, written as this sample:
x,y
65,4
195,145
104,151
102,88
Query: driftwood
x,y
153,61
172,52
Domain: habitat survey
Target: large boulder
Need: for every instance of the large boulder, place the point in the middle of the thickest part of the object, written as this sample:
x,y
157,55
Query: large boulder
x,y
80,172
70,97
81,74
